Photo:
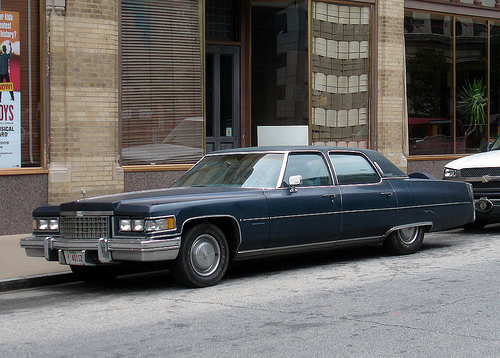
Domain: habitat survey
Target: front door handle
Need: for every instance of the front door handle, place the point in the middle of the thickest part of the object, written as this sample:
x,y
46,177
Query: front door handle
x,y
387,194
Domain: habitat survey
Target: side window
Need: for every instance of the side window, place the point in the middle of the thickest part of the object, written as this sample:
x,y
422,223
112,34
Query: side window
x,y
311,167
353,169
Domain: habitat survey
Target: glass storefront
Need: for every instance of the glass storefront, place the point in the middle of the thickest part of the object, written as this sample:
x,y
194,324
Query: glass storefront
x,y
449,69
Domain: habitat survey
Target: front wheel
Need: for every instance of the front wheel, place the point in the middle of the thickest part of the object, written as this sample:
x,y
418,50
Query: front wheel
x,y
203,257
405,241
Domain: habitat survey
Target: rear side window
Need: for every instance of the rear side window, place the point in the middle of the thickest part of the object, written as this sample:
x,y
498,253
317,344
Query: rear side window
x,y
353,169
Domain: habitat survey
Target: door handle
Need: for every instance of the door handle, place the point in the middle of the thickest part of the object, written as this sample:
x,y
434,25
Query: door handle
x,y
331,196
387,194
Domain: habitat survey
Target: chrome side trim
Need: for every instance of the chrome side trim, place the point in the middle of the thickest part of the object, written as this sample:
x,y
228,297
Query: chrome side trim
x,y
429,224
283,250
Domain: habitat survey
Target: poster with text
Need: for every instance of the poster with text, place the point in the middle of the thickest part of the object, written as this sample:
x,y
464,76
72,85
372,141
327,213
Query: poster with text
x,y
10,91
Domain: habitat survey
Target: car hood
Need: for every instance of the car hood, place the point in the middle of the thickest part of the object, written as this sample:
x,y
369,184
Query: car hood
x,y
480,160
152,200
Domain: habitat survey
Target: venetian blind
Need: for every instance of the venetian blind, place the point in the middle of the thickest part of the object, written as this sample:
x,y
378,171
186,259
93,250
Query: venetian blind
x,y
161,82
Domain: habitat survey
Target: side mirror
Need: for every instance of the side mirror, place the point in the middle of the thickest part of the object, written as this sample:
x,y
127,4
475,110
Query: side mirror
x,y
294,181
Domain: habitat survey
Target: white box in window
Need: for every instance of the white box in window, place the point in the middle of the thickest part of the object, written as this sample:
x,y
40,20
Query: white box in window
x,y
353,117
343,50
364,49
320,46
343,84
353,84
365,15
363,83
332,49
331,84
344,15
319,116
353,49
333,13
331,118
342,118
321,11
320,81
355,15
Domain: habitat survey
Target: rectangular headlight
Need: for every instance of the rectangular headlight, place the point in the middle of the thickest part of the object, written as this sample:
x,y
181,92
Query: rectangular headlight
x,y
46,224
160,224
135,225
450,173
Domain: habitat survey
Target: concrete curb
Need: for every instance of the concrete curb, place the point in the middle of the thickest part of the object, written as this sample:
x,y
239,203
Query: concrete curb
x,y
35,281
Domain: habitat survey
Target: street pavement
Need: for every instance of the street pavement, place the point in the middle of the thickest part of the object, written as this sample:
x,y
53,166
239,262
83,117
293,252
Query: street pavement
x,y
17,270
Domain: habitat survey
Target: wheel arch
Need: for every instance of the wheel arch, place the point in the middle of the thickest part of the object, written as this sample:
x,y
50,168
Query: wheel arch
x,y
427,226
226,223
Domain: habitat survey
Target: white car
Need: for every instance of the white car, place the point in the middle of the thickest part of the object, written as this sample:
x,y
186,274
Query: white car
x,y
482,170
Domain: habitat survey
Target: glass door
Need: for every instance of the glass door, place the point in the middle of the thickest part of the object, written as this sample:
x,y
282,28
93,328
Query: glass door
x,y
222,97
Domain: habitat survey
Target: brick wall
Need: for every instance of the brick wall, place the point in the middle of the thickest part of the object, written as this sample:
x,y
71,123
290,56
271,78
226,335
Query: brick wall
x,y
84,143
390,84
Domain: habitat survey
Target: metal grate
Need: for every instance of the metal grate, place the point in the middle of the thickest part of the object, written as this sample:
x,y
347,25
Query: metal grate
x,y
479,172
84,227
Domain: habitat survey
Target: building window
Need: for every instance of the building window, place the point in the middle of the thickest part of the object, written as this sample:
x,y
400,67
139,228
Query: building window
x,y
340,74
20,110
279,65
161,97
450,110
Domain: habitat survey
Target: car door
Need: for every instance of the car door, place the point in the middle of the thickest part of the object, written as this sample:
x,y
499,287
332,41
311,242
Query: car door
x,y
369,203
311,213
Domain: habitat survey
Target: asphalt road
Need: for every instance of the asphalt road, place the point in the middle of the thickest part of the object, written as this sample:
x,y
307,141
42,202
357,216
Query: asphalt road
x,y
441,302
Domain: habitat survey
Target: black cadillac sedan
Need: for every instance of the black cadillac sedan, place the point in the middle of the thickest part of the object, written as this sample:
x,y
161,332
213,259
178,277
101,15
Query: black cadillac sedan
x,y
248,203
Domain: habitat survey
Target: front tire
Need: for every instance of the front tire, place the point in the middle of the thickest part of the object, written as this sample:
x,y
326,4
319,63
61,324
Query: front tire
x,y
405,241
203,257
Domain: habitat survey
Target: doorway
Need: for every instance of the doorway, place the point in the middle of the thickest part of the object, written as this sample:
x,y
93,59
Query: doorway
x,y
222,93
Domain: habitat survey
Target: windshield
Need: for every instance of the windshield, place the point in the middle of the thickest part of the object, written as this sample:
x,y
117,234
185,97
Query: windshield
x,y
496,144
249,170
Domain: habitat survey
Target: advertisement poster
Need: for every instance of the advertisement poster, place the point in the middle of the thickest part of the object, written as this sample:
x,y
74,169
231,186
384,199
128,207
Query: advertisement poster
x,y
10,91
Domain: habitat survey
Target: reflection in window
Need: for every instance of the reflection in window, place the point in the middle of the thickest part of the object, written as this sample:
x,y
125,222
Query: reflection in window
x,y
429,67
494,80
341,68
279,64
353,169
471,83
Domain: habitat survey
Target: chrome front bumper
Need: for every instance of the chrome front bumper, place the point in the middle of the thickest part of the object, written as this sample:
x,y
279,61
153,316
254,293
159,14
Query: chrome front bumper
x,y
104,250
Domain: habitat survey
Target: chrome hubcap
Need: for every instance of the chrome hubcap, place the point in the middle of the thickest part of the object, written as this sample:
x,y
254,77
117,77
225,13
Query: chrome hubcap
x,y
408,235
205,255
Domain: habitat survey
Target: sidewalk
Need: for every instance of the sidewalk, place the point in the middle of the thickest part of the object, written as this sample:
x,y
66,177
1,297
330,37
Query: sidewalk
x,y
20,271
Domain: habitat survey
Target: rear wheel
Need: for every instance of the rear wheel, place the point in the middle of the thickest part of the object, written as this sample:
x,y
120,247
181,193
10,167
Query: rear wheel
x,y
94,274
203,257
405,241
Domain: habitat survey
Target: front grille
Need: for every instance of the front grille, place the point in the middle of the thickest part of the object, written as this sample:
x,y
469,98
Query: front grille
x,y
84,227
479,172
488,185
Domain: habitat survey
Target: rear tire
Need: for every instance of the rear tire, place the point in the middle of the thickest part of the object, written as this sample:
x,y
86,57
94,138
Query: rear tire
x,y
405,241
94,274
203,257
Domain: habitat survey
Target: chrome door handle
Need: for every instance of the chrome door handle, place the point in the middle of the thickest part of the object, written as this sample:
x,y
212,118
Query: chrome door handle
x,y
387,194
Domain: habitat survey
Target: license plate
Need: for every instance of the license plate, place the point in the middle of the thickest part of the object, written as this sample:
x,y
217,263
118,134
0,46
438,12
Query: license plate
x,y
74,257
